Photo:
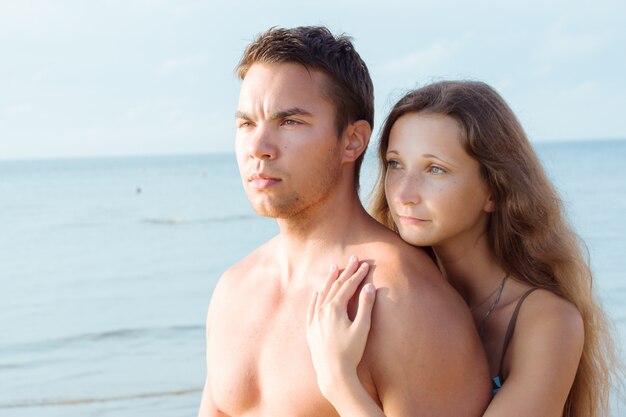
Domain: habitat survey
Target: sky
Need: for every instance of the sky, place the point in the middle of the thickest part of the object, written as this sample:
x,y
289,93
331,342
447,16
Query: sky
x,y
135,77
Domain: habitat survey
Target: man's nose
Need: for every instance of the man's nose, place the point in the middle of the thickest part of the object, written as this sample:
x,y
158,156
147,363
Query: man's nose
x,y
262,144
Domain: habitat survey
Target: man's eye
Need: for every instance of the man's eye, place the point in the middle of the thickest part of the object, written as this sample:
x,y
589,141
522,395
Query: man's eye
x,y
290,122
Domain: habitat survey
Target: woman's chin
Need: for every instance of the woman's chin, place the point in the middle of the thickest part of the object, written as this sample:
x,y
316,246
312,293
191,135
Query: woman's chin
x,y
415,239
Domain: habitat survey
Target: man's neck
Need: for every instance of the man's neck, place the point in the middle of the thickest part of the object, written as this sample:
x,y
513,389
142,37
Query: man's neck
x,y
321,234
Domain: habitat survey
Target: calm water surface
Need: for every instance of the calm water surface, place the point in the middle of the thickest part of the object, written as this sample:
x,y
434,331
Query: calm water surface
x,y
107,267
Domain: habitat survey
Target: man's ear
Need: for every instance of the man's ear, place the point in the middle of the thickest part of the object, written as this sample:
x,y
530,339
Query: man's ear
x,y
356,136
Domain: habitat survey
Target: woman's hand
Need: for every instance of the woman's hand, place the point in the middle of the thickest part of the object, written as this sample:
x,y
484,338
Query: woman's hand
x,y
337,343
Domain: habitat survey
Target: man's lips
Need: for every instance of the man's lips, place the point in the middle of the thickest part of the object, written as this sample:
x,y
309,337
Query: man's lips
x,y
260,180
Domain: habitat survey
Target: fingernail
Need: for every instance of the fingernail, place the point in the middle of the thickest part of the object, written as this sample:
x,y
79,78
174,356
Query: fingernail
x,y
369,288
352,258
332,268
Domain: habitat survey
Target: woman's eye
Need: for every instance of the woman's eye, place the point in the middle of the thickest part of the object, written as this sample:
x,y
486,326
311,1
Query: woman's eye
x,y
393,164
434,169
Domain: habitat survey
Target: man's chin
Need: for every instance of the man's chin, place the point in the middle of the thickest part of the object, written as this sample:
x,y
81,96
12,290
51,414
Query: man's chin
x,y
275,207
269,214
270,211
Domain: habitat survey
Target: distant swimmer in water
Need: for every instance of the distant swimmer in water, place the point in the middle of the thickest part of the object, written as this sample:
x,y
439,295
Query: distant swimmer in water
x,y
138,190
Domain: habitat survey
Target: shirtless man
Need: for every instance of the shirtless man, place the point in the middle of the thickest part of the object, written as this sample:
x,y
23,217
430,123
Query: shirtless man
x,y
304,120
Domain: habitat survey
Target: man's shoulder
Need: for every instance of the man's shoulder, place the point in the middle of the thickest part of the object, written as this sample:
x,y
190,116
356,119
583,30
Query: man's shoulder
x,y
415,301
241,281
410,285
403,269
422,333
260,259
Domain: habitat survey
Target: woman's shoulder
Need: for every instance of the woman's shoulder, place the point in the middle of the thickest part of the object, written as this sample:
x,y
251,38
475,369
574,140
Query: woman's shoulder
x,y
547,313
544,353
543,357
549,333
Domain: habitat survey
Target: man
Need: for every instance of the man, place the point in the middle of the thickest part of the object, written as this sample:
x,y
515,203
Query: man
x,y
304,120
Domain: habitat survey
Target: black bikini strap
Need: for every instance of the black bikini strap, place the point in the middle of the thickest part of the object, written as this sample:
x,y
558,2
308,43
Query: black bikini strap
x,y
511,328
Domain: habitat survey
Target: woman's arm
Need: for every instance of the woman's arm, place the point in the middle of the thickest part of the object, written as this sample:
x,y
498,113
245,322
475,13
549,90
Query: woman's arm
x,y
544,354
337,344
543,358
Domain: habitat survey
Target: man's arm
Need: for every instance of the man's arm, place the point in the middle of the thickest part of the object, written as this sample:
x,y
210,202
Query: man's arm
x,y
207,407
423,353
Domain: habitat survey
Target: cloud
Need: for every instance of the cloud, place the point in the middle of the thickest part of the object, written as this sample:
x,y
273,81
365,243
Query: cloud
x,y
424,61
35,17
183,64
158,109
580,92
560,44
16,110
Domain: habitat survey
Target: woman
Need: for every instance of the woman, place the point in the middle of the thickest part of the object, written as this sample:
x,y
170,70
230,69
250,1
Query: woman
x,y
460,178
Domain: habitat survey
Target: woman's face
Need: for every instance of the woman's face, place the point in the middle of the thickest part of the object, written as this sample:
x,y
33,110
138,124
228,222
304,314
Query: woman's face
x,y
434,189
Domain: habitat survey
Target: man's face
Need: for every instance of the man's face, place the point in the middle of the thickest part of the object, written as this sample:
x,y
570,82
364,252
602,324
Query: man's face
x,y
287,146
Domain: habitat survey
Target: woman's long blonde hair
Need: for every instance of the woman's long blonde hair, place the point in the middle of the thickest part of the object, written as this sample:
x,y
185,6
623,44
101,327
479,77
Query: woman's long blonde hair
x,y
528,232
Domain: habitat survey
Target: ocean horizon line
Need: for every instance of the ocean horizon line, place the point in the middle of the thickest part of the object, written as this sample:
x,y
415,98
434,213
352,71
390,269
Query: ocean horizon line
x,y
160,155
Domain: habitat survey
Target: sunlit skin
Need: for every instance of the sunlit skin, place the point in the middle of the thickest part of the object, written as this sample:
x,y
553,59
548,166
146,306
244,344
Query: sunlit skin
x,y
438,198
434,189
297,168
287,144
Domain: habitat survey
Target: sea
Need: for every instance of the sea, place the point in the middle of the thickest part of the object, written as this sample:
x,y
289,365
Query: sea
x,y
107,266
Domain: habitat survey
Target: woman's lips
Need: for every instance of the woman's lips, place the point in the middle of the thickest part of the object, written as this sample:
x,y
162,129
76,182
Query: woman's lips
x,y
411,220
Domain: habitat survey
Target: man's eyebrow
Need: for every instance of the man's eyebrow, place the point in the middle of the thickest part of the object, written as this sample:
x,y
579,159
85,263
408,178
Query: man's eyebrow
x,y
294,111
241,115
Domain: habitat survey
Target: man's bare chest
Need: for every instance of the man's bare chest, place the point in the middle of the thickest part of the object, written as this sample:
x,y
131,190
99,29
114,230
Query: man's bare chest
x,y
259,361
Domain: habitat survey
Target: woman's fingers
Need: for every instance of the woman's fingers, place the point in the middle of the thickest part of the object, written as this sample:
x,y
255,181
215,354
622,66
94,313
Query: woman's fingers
x,y
348,287
330,279
311,312
363,319
336,343
339,288
351,268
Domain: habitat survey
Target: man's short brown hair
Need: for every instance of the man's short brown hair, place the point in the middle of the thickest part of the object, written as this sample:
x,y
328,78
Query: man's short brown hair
x,y
350,89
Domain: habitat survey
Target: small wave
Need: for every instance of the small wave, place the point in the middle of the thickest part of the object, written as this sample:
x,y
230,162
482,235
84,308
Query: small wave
x,y
134,333
163,221
172,221
100,336
82,401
